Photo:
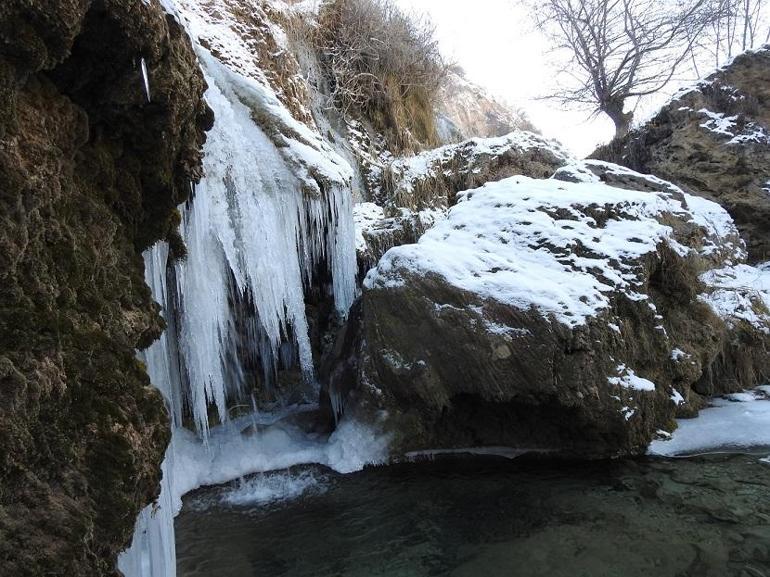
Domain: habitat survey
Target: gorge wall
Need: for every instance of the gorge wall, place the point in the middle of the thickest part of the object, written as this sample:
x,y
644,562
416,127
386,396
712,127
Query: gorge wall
x,y
101,123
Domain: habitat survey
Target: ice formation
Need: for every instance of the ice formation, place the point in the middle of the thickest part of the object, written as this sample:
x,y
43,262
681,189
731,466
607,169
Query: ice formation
x,y
145,80
273,209
735,422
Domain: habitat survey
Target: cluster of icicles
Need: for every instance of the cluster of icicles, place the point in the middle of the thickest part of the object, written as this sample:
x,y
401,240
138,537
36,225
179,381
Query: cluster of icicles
x,y
253,236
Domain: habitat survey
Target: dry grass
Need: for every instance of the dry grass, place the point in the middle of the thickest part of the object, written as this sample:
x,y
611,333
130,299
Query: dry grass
x,y
384,66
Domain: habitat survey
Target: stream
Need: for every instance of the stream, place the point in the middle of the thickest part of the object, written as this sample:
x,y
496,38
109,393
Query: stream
x,y
699,516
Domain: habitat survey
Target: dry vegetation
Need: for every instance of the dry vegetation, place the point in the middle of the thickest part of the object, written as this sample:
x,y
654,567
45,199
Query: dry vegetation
x,y
385,66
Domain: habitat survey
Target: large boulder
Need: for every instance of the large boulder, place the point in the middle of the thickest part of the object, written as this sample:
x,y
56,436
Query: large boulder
x,y
713,141
101,122
561,315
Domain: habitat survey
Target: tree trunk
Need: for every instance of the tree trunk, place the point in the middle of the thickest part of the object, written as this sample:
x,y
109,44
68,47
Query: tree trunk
x,y
621,119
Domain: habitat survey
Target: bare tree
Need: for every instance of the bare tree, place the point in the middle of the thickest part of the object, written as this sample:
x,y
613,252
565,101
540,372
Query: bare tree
x,y
621,49
741,25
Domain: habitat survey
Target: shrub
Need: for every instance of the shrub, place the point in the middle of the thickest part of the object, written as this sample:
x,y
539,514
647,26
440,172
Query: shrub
x,y
383,65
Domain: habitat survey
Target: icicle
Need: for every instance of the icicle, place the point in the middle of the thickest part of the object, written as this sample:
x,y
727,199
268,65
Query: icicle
x,y
146,79
254,241
152,552
343,254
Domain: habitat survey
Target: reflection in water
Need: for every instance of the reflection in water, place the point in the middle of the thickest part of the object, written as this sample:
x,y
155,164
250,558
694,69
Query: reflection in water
x,y
707,517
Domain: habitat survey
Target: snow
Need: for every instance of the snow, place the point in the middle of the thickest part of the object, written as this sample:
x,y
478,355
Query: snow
x,y
678,354
723,125
407,171
718,122
373,226
533,243
737,424
740,293
628,379
677,397
366,215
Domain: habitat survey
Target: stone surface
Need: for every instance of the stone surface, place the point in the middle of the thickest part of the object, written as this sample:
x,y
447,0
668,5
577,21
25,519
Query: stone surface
x,y
90,175
485,333
713,141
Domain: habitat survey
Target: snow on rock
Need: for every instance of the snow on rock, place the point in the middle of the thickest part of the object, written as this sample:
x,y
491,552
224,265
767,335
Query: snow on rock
x,y
740,293
728,424
559,247
714,139
432,178
630,380
550,313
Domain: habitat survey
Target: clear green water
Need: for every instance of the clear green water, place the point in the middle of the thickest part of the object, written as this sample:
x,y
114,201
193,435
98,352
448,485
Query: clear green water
x,y
702,517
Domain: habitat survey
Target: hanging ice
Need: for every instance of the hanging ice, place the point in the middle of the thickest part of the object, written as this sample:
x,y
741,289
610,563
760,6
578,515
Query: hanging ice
x,y
273,210
152,552
146,80
253,237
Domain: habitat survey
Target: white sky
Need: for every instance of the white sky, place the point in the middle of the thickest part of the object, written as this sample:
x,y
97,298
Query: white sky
x,y
496,44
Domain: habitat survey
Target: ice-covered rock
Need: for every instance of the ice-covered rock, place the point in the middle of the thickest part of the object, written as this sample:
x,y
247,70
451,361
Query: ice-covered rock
x,y
544,314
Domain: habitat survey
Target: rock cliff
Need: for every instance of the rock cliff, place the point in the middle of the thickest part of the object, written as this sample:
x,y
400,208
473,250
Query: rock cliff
x,y
101,121
713,141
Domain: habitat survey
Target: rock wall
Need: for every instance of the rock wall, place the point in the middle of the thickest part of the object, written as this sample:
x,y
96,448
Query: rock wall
x,y
713,141
93,161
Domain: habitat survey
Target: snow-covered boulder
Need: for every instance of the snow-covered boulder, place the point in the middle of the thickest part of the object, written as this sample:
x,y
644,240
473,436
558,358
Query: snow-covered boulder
x,y
432,178
549,314
713,140
415,192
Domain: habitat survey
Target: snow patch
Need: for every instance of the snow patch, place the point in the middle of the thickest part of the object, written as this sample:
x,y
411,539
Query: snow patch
x,y
534,243
725,425
628,379
740,293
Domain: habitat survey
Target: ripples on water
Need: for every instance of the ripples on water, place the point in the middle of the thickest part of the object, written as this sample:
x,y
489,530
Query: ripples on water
x,y
707,517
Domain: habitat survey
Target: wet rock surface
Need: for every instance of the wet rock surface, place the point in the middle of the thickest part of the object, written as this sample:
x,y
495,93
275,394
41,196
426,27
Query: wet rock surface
x,y
93,162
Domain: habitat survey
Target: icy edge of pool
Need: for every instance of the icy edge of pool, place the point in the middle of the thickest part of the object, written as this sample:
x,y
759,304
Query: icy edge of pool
x,y
734,422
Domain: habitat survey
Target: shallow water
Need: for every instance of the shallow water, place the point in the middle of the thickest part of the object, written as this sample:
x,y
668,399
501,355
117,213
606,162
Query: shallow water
x,y
706,516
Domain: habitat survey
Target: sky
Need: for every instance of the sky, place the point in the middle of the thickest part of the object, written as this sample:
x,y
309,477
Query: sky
x,y
499,49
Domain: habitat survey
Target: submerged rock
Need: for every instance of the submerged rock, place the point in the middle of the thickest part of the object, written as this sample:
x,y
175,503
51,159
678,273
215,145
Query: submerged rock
x,y
101,121
713,141
552,315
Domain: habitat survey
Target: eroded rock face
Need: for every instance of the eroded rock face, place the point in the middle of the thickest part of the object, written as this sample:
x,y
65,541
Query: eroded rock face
x,y
713,141
90,175
553,315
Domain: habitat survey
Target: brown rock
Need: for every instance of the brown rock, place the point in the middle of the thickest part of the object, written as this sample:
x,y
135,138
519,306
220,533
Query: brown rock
x,y
90,175
684,143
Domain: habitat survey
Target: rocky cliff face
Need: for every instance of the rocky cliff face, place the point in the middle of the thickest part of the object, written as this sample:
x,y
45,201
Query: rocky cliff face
x,y
713,140
101,121
466,110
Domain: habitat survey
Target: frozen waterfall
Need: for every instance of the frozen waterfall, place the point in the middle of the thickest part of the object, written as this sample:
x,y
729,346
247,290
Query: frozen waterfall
x,y
257,235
